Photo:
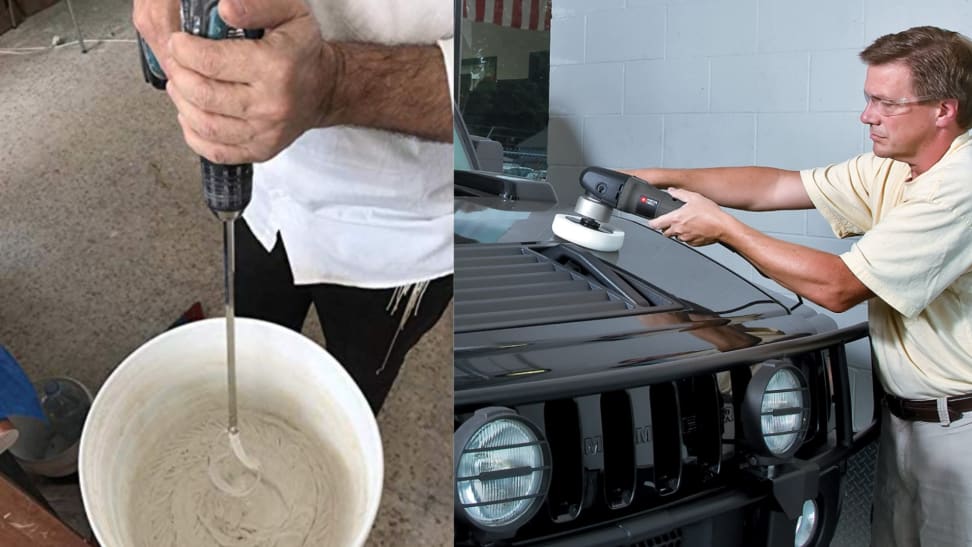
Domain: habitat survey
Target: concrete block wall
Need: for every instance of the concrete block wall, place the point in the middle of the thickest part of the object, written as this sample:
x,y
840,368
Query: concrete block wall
x,y
700,83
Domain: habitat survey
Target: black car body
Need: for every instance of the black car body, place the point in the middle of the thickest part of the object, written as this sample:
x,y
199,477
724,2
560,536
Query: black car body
x,y
641,374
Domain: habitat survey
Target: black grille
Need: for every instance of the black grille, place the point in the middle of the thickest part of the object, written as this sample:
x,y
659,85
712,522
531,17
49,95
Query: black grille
x,y
620,452
505,286
668,539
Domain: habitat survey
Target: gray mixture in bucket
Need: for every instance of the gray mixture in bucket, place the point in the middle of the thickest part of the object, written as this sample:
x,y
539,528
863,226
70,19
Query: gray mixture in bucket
x,y
302,499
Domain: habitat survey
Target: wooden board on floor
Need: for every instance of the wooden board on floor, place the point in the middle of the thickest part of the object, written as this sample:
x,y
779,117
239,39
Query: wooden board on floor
x,y
24,523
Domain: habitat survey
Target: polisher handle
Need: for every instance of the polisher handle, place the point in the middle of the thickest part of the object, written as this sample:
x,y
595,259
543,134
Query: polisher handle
x,y
627,193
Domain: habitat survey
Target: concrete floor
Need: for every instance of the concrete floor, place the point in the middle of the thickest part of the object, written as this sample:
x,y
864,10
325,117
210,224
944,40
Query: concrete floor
x,y
105,240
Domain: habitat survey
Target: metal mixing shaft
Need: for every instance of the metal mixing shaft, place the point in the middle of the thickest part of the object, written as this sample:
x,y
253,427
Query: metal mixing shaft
x,y
227,190
229,304
234,472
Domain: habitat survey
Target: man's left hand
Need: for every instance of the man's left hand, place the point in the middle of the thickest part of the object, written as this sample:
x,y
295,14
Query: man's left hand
x,y
699,222
243,101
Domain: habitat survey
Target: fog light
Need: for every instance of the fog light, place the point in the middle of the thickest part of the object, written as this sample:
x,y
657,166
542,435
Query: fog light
x,y
777,409
806,524
502,469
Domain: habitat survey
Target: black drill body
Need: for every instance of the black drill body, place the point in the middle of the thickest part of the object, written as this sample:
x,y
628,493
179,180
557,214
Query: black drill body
x,y
226,188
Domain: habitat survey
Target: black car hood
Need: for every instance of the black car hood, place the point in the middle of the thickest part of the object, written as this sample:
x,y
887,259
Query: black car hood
x,y
703,308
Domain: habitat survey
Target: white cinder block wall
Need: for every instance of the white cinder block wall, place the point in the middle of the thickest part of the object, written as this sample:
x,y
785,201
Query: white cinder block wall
x,y
702,83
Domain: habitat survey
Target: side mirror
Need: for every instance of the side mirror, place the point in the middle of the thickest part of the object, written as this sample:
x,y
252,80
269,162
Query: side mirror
x,y
489,152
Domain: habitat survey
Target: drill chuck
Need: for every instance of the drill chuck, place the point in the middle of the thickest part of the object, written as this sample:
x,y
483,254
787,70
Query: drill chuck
x,y
227,188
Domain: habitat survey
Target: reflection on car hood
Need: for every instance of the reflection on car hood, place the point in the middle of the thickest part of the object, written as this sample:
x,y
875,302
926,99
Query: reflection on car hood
x,y
709,309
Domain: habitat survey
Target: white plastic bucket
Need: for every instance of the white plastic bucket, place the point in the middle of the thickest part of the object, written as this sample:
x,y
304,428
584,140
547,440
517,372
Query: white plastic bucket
x,y
279,372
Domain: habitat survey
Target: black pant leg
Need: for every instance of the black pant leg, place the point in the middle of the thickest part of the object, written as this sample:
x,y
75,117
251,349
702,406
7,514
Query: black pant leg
x,y
264,283
359,329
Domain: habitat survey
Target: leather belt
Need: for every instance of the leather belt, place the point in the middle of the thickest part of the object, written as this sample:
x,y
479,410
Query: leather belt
x,y
927,410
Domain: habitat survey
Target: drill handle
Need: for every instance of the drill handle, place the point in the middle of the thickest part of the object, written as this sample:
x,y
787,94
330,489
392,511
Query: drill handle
x,y
151,69
199,19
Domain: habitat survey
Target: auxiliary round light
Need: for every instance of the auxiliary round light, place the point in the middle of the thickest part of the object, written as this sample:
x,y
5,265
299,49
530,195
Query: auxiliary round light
x,y
806,524
502,469
776,411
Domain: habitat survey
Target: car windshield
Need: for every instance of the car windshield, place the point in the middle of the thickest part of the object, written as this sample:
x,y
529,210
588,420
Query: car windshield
x,y
502,88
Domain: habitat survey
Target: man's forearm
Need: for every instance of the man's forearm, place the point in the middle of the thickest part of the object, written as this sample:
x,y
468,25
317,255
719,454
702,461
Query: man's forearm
x,y
749,188
397,88
816,275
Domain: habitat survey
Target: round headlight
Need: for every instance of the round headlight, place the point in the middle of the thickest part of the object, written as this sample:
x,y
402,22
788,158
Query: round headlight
x,y
502,469
806,525
777,409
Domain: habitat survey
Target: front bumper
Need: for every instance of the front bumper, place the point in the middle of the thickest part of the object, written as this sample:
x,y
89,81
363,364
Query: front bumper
x,y
765,514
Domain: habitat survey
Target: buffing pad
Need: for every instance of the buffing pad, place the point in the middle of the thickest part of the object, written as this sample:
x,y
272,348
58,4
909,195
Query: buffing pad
x,y
607,238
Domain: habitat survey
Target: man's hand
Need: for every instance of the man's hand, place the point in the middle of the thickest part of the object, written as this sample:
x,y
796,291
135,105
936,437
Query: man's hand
x,y
156,21
699,222
243,101
816,275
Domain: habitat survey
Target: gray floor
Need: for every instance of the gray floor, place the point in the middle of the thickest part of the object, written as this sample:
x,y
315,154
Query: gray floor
x,y
104,240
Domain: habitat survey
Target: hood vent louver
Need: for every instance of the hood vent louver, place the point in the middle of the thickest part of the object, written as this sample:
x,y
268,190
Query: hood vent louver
x,y
506,286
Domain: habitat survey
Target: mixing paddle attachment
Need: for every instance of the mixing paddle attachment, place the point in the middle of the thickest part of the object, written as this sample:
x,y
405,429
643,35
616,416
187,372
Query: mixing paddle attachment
x,y
231,469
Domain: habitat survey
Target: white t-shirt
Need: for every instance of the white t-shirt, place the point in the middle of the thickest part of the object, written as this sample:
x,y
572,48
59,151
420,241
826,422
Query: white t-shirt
x,y
363,207
916,256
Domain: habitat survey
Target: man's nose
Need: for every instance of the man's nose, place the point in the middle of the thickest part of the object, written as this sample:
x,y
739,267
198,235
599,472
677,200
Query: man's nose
x,y
868,116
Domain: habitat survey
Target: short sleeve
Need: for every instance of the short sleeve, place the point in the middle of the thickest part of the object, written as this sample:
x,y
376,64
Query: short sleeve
x,y
842,192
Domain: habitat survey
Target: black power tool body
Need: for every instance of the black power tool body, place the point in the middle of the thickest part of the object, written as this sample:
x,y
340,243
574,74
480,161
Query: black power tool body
x,y
227,188
605,191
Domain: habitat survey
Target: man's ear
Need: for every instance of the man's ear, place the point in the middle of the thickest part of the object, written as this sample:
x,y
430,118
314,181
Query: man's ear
x,y
947,112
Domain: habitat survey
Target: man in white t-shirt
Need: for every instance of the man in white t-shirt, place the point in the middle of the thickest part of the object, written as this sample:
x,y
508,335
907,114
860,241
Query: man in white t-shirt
x,y
344,108
912,201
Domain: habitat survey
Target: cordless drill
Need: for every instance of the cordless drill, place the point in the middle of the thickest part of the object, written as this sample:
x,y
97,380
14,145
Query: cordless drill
x,y
226,188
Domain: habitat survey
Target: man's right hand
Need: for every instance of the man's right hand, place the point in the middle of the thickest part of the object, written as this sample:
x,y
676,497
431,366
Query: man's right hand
x,y
156,21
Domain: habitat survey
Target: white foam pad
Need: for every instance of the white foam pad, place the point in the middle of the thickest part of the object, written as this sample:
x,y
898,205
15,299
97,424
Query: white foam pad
x,y
607,239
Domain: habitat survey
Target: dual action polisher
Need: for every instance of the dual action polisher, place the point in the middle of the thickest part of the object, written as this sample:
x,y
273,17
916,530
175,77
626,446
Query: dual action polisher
x,y
604,191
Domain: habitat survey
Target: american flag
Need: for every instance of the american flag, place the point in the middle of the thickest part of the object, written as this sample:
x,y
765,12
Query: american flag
x,y
521,14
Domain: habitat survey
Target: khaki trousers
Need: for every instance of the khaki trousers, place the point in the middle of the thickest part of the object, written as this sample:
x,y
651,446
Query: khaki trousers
x,y
923,484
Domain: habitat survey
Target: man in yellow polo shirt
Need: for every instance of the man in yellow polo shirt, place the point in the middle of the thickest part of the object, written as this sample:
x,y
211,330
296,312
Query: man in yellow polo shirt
x,y
911,199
